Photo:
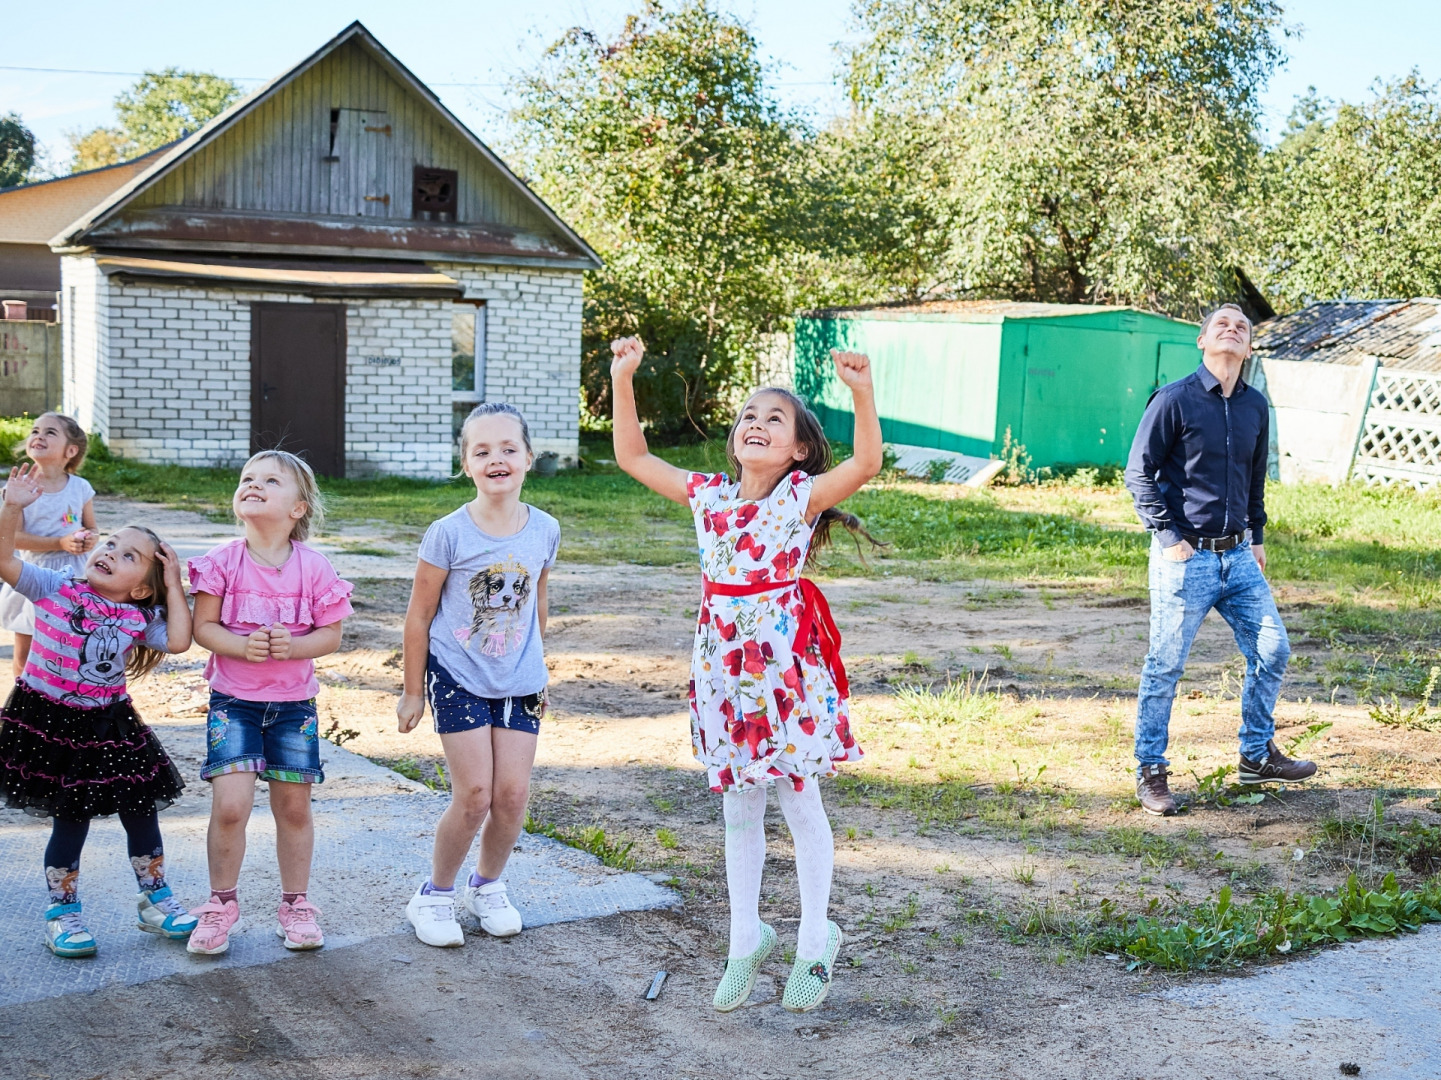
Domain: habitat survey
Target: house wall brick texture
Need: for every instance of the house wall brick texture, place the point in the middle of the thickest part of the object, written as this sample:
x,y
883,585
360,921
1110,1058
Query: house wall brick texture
x,y
532,346
163,372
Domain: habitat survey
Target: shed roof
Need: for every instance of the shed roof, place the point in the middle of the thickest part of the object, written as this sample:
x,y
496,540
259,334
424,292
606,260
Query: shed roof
x,y
33,213
976,310
1399,333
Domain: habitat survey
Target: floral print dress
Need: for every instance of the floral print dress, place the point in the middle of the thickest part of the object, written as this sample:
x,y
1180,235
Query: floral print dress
x,y
763,704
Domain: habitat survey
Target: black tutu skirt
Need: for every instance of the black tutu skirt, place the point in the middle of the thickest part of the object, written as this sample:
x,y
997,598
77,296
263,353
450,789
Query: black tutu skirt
x,y
76,764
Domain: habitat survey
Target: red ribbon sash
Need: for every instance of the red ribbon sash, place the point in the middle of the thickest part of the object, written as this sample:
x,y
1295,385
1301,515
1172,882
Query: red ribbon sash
x,y
815,614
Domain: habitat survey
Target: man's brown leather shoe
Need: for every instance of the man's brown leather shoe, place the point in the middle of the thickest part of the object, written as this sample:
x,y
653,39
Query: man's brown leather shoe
x,y
1275,766
1154,792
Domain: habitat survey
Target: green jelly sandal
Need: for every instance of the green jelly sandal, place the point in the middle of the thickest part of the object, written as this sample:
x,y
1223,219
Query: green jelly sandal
x,y
740,977
811,979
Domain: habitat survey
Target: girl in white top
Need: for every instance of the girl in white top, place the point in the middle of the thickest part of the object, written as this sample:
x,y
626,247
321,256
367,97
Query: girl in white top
x,y
59,527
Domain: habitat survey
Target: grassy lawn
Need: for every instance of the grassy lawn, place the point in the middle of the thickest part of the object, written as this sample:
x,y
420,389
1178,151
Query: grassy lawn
x,y
1370,547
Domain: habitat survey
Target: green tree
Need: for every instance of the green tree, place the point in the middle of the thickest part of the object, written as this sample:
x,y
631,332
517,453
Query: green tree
x,y
666,150
1089,150
17,151
1350,202
161,107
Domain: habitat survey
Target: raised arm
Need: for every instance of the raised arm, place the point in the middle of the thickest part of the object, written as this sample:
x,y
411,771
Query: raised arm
x,y
177,611
631,452
22,489
866,457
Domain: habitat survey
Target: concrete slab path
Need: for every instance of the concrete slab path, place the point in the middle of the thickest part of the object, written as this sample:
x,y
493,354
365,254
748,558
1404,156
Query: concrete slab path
x,y
373,838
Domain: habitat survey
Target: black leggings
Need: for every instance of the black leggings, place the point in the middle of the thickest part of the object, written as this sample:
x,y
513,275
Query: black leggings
x,y
142,835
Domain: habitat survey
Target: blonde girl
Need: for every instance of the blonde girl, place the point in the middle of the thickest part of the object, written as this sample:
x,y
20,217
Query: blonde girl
x,y
473,651
266,605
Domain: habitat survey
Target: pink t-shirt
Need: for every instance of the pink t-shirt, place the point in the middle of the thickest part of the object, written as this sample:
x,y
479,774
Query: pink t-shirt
x,y
302,594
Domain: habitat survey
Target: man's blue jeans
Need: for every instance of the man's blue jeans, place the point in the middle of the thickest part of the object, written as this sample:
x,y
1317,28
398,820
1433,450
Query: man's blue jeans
x,y
1181,595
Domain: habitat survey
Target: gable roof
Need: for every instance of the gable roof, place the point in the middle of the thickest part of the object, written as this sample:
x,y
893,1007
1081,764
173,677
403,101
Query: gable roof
x,y
33,213
80,232
1400,333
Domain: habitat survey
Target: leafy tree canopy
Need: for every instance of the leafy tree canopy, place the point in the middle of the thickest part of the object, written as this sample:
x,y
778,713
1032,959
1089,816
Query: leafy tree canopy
x,y
1350,203
666,150
161,107
17,150
1082,150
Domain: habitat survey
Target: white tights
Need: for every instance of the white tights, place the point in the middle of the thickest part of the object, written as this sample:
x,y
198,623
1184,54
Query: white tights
x,y
745,812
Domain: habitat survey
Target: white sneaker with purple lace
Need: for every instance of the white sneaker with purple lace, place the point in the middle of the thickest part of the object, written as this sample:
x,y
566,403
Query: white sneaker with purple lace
x,y
490,904
433,916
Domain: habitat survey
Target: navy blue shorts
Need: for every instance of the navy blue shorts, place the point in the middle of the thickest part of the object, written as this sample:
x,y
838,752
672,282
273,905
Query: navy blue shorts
x,y
277,739
456,709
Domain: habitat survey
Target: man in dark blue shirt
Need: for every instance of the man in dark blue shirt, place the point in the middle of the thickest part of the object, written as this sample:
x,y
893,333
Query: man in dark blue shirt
x,y
1197,472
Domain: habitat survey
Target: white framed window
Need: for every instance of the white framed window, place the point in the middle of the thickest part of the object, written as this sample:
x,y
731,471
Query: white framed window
x,y
467,359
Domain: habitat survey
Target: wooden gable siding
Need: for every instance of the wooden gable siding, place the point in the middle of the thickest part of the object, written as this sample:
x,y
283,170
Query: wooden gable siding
x,y
271,161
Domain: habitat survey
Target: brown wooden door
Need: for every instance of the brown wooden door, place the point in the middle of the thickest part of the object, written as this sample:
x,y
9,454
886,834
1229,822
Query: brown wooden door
x,y
297,382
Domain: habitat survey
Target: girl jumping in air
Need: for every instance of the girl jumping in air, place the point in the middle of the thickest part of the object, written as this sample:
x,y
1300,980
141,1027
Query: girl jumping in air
x,y
71,745
768,693
473,648
59,527
266,606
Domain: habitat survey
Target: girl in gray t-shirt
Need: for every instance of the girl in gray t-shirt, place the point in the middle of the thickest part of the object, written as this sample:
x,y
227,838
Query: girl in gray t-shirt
x,y
473,653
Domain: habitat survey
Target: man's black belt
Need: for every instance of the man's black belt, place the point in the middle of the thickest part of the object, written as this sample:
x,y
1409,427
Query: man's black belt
x,y
1217,543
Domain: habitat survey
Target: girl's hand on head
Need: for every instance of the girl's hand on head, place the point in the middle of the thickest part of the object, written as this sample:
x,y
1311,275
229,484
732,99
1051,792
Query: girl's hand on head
x,y
257,646
628,353
23,487
408,711
171,561
280,641
853,368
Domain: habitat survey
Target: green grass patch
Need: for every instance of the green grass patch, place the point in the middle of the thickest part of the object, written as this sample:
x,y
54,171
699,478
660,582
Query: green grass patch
x,y
591,838
1374,546
1221,933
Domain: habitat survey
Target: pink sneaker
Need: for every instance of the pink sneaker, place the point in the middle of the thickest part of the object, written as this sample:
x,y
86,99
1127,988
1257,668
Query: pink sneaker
x,y
211,935
298,926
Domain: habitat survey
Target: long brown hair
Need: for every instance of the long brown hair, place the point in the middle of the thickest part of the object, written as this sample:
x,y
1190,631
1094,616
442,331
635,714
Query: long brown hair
x,y
144,658
819,458
74,436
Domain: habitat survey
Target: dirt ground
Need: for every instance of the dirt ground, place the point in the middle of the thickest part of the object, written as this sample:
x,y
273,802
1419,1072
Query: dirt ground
x,y
927,985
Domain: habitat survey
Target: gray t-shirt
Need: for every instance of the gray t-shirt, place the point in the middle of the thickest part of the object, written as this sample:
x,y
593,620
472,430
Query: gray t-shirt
x,y
486,632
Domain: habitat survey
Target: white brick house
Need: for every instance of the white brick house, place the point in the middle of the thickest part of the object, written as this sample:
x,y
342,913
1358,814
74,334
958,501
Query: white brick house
x,y
334,265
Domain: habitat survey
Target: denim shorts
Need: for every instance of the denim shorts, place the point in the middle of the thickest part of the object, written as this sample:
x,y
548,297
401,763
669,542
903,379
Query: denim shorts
x,y
279,740
456,709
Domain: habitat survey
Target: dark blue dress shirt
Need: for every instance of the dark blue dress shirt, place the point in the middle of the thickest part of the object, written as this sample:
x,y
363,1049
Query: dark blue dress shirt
x,y
1198,464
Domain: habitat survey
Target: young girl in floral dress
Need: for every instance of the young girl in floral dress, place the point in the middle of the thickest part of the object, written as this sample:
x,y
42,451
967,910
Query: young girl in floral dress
x,y
768,693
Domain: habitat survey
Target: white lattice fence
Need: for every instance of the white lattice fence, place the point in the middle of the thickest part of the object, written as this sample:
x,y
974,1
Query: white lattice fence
x,y
1401,442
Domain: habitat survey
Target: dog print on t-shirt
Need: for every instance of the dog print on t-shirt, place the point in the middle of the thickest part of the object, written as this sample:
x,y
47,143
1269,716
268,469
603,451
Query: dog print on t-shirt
x,y
498,595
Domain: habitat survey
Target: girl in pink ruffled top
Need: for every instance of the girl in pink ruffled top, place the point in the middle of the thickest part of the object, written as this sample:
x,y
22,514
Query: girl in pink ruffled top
x,y
265,606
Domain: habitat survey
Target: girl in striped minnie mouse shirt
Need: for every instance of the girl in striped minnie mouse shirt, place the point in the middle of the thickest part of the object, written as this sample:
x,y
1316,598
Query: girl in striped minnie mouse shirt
x,y
72,747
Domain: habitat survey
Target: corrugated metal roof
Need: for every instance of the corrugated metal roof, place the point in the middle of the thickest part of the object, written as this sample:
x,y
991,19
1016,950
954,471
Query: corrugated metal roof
x,y
977,310
33,213
1400,333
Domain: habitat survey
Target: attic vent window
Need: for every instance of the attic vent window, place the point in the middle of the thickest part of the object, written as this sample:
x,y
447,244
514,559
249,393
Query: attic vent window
x,y
434,194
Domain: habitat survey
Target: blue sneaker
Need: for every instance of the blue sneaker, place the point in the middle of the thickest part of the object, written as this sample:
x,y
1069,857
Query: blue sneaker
x,y
159,912
65,933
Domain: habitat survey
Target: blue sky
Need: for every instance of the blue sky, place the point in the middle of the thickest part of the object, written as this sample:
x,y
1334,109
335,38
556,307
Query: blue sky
x,y
1342,48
